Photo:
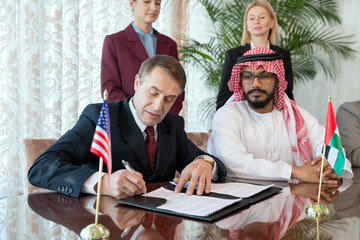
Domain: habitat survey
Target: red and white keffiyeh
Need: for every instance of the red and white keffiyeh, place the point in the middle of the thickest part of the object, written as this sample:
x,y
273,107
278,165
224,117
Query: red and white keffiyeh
x,y
295,124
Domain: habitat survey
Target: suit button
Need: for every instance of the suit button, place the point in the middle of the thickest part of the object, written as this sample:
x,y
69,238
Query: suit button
x,y
62,189
70,190
59,188
66,189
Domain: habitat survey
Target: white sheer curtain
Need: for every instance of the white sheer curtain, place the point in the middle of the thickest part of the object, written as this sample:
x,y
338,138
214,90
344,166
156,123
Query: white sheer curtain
x,y
50,53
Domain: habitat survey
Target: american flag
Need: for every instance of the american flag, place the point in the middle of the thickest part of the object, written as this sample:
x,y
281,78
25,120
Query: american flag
x,y
101,145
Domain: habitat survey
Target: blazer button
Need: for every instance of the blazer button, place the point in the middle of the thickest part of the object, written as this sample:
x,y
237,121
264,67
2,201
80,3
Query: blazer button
x,y
66,189
59,189
70,190
62,189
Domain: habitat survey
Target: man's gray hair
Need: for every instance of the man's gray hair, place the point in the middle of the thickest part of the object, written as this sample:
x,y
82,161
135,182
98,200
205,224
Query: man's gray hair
x,y
167,63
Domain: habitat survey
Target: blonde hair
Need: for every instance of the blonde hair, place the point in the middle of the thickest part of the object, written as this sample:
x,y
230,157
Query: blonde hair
x,y
274,32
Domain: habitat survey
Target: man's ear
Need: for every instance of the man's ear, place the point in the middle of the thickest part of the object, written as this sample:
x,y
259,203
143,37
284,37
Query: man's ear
x,y
137,82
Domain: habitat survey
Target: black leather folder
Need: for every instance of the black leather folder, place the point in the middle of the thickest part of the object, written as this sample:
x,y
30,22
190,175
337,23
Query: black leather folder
x,y
151,203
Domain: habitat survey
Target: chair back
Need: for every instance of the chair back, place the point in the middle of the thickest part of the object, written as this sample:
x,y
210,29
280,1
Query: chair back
x,y
33,148
199,139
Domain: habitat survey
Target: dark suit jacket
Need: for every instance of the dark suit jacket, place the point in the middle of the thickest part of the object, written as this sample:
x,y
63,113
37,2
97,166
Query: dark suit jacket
x,y
122,56
231,57
66,165
348,120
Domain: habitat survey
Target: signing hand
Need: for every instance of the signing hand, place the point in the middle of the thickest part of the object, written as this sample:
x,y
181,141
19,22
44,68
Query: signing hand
x,y
123,184
199,172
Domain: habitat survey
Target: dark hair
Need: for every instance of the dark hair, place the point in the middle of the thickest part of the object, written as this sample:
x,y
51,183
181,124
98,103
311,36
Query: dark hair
x,y
167,63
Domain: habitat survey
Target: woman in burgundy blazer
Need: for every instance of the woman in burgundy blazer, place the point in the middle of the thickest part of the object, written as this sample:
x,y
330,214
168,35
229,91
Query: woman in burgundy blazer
x,y
123,53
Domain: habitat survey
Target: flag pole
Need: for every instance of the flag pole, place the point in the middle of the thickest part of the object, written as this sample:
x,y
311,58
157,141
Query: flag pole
x,y
317,211
96,230
322,166
98,191
321,173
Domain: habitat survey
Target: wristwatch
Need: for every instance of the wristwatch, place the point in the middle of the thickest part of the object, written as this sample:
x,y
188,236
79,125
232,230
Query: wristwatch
x,y
207,159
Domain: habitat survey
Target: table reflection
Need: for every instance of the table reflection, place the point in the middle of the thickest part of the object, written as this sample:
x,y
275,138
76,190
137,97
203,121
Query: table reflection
x,y
348,203
56,216
77,213
343,222
272,218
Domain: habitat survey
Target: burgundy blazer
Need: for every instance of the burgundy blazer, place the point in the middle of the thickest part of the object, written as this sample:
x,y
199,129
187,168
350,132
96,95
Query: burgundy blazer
x,y
122,56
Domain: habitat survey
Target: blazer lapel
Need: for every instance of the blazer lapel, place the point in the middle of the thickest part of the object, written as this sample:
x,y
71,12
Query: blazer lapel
x,y
133,136
162,44
275,48
164,141
134,43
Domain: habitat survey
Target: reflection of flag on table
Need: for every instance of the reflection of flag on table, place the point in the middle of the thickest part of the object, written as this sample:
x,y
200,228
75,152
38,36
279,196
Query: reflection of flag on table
x,y
334,151
101,144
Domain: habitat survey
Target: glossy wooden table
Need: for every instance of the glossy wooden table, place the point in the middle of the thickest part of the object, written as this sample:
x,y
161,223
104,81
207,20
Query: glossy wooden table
x,y
56,216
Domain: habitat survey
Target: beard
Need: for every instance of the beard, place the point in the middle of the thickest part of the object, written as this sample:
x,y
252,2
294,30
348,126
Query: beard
x,y
258,104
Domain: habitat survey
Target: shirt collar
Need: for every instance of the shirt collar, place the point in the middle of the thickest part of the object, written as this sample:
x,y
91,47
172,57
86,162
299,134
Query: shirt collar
x,y
252,45
139,31
140,124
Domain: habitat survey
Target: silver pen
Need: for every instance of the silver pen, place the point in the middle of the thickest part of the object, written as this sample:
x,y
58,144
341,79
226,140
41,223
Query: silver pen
x,y
128,167
125,232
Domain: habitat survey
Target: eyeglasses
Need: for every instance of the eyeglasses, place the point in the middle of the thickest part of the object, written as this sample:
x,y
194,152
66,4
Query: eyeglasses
x,y
263,77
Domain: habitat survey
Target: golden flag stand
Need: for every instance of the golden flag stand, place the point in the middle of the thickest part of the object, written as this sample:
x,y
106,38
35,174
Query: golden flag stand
x,y
96,230
317,211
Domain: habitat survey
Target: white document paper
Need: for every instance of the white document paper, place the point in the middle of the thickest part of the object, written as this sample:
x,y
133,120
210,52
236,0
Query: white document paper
x,y
192,205
205,205
243,190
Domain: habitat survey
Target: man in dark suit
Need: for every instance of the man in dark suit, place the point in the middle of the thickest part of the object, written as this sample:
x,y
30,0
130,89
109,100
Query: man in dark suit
x,y
70,168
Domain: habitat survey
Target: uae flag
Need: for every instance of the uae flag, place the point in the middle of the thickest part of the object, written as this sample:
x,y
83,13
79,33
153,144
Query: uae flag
x,y
334,151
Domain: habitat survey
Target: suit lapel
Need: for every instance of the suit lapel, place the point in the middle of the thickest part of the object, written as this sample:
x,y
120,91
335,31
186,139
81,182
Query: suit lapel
x,y
134,43
133,136
275,48
162,44
164,141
